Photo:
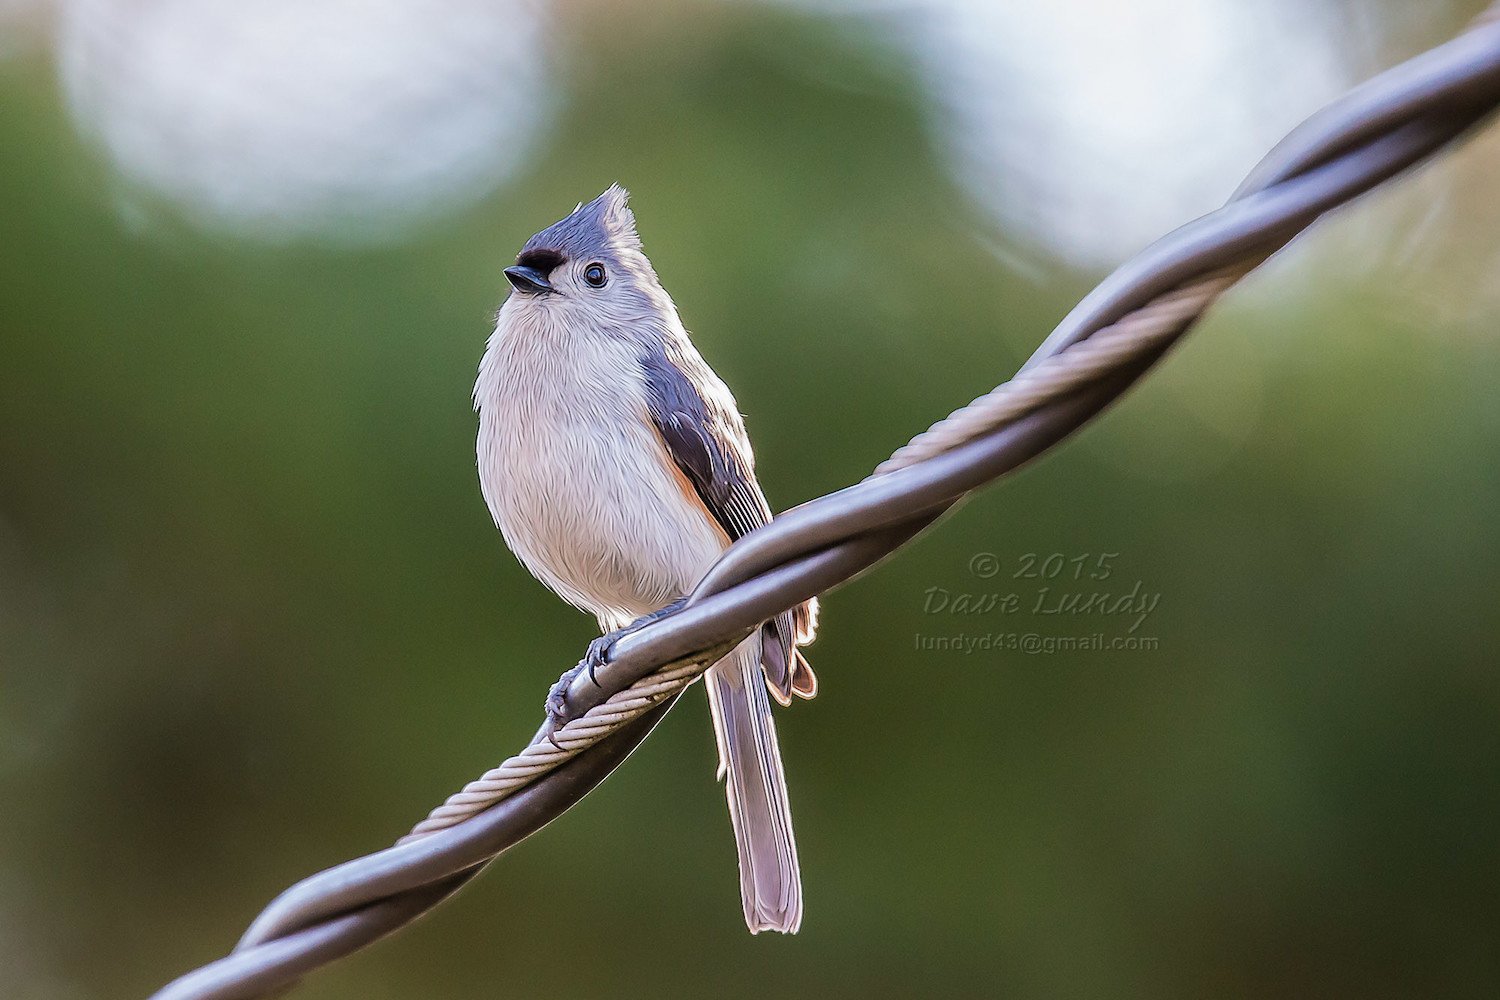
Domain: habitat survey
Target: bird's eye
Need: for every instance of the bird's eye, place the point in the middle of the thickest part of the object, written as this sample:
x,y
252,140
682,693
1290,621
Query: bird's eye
x,y
594,275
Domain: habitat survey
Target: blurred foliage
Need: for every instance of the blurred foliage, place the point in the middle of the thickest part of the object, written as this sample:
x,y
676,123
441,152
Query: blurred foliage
x,y
254,618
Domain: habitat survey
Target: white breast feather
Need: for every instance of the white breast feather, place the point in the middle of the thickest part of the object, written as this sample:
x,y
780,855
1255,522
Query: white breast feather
x,y
578,481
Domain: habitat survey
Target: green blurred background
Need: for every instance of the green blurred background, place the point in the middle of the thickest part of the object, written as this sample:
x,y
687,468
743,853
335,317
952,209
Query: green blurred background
x,y
254,618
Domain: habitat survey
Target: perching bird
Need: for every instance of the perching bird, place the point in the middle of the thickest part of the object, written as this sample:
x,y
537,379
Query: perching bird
x,y
616,465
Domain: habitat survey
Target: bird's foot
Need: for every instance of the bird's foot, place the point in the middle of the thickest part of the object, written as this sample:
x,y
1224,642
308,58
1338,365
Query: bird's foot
x,y
561,709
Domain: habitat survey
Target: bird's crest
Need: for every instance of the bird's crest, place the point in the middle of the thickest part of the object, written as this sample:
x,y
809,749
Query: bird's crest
x,y
591,229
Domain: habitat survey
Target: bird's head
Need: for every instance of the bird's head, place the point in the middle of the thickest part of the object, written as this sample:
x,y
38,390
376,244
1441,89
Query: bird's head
x,y
588,268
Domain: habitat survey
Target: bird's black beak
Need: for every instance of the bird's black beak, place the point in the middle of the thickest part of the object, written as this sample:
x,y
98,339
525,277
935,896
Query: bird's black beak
x,y
528,280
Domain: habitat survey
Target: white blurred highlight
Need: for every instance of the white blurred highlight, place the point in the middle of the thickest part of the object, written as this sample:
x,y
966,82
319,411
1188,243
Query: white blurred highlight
x,y
1091,127
294,118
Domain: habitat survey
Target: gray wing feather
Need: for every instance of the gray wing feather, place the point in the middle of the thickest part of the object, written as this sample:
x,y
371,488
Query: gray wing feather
x,y
705,436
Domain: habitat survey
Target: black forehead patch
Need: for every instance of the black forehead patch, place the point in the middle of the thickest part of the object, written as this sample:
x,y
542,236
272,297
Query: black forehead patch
x,y
544,259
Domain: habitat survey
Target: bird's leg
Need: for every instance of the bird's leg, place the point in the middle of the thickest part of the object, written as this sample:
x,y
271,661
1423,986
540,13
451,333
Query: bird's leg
x,y
559,709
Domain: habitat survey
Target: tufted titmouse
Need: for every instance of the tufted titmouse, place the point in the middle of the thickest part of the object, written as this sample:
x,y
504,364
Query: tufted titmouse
x,y
616,465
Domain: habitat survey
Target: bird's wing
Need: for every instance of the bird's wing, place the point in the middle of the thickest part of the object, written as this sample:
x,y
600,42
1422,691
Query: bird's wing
x,y
703,433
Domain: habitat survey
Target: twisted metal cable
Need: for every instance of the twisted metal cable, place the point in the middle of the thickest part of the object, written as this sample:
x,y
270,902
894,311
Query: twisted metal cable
x,y
1086,361
1123,327
572,739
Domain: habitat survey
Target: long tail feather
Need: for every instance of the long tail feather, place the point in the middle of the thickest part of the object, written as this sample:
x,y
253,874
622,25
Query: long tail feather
x,y
770,881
